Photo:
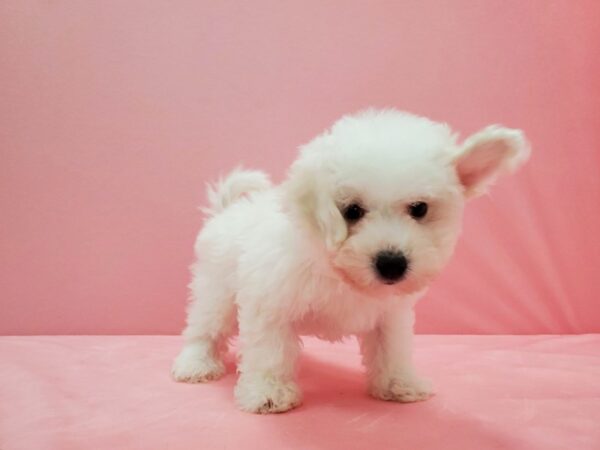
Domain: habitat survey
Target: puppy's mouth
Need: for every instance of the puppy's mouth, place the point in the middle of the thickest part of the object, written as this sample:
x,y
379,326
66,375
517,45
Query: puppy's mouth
x,y
400,283
391,283
371,285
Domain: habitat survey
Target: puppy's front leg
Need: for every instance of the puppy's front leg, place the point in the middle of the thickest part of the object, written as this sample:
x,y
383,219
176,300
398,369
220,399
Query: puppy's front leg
x,y
267,366
387,356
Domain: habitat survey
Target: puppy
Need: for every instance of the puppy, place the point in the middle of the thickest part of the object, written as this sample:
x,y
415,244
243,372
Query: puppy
x,y
368,216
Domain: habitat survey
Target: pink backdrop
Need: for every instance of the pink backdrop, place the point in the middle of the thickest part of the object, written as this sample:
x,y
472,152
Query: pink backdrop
x,y
114,114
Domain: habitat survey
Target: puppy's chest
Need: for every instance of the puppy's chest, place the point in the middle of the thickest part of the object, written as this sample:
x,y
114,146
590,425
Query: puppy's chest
x,y
334,318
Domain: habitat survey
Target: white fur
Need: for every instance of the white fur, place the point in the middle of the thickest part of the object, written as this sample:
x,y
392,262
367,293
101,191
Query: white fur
x,y
278,262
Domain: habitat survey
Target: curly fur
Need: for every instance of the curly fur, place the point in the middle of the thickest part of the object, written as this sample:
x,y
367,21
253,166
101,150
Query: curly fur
x,y
277,262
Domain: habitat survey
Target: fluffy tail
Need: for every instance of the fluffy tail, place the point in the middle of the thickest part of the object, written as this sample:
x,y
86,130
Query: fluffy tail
x,y
234,186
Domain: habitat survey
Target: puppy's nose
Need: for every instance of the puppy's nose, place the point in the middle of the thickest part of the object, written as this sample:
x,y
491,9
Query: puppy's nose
x,y
390,265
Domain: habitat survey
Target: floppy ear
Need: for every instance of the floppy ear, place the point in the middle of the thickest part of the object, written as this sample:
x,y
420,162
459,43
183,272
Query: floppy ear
x,y
309,195
487,154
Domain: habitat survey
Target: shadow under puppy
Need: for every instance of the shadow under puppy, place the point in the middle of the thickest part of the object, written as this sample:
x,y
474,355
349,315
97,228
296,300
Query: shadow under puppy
x,y
367,217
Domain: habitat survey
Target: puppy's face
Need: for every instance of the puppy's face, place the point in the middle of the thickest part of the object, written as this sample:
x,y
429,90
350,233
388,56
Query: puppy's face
x,y
384,194
399,224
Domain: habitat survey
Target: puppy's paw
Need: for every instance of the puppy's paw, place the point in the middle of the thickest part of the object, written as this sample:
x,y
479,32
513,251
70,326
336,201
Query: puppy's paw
x,y
402,389
265,395
190,367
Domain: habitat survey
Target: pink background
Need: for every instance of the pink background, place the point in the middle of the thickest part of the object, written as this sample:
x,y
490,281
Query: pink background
x,y
114,114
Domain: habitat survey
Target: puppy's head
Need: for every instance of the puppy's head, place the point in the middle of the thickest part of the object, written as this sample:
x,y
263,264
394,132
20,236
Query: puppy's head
x,y
383,193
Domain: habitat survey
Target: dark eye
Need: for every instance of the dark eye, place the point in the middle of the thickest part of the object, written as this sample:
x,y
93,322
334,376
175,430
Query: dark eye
x,y
353,213
418,210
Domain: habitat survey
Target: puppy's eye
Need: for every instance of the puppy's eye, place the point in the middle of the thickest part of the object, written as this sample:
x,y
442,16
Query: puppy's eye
x,y
418,210
353,213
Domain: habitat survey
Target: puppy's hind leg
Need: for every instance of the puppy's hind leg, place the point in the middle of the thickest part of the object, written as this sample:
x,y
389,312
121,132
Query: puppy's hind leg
x,y
210,322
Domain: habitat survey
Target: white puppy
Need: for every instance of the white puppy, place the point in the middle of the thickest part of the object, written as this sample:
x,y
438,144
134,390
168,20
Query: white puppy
x,y
367,217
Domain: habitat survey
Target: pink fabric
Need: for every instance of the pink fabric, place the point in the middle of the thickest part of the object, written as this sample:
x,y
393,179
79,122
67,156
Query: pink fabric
x,y
494,392
115,113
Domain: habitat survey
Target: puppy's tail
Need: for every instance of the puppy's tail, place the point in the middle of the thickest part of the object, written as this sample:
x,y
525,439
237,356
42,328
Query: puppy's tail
x,y
229,189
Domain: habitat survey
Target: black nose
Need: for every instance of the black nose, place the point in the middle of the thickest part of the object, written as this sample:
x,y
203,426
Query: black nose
x,y
390,265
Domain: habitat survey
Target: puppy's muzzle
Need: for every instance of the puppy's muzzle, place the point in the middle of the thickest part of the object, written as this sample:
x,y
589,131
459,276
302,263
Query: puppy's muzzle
x,y
390,266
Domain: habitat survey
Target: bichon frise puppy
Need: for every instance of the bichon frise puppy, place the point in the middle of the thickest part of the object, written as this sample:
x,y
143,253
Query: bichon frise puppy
x,y
367,217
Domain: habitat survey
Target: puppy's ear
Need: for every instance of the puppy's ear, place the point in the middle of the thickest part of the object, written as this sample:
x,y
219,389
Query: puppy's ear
x,y
487,154
309,195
